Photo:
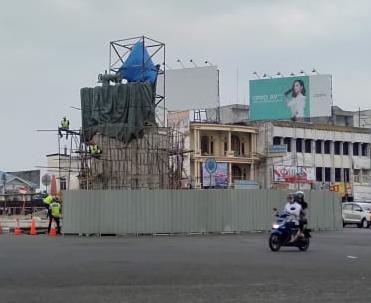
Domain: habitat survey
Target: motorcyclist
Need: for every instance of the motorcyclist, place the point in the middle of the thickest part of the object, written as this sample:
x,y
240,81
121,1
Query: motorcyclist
x,y
294,209
299,198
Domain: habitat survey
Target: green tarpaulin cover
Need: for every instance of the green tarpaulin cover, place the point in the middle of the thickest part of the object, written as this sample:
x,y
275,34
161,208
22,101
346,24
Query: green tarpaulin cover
x,y
120,111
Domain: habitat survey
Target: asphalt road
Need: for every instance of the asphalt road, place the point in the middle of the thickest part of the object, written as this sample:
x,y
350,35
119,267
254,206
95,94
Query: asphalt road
x,y
230,268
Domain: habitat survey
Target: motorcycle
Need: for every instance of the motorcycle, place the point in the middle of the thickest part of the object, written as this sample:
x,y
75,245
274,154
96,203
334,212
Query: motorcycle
x,y
282,231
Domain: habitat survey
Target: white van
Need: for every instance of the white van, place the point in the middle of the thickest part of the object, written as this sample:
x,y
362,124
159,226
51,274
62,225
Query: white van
x,y
357,213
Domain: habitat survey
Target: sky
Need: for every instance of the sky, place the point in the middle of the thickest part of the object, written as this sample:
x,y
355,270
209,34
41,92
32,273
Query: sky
x,y
49,49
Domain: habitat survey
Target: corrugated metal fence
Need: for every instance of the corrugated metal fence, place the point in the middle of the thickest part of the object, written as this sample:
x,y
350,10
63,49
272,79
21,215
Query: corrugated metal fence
x,y
187,211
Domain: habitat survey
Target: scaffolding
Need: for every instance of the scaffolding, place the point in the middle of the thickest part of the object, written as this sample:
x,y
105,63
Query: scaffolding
x,y
151,160
154,161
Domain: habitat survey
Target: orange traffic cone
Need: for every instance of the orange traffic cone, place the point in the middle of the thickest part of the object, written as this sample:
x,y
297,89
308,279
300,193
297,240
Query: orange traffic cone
x,y
17,229
53,231
33,228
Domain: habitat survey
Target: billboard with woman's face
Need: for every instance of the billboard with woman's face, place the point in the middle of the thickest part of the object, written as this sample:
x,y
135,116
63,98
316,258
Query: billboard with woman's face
x,y
291,97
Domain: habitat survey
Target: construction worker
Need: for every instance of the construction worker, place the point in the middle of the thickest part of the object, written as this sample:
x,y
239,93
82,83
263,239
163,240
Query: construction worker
x,y
55,213
94,150
65,126
48,199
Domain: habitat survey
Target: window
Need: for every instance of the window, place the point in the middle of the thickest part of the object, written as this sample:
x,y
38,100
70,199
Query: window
x,y
356,208
347,207
356,174
355,149
319,174
337,174
299,145
225,147
204,145
242,148
346,175
345,148
276,140
308,145
327,147
328,174
62,183
236,145
287,141
364,148
319,146
337,148
212,147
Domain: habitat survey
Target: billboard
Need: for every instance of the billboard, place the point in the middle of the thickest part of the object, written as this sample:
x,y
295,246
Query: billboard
x,y
291,97
218,178
293,174
190,88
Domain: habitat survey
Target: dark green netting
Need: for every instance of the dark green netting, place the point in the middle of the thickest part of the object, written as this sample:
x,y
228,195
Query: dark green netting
x,y
120,111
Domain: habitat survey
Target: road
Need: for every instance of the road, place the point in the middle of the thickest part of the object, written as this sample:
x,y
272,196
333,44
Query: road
x,y
229,268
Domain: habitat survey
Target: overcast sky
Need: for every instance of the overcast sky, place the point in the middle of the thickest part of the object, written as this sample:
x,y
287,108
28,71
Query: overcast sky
x,y
52,48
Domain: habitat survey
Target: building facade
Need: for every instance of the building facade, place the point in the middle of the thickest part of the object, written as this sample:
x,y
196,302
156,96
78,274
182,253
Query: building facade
x,y
314,156
232,147
65,170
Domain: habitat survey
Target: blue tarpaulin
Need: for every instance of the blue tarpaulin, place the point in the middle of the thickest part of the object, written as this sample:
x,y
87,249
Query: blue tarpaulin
x,y
138,67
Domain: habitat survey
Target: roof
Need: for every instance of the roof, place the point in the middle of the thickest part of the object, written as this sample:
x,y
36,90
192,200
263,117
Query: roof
x,y
224,127
319,126
9,178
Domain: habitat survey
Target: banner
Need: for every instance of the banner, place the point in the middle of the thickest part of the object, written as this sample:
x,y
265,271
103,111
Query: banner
x,y
219,178
291,97
293,174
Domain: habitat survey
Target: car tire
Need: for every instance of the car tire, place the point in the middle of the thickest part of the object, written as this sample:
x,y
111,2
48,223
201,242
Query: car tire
x,y
365,224
344,224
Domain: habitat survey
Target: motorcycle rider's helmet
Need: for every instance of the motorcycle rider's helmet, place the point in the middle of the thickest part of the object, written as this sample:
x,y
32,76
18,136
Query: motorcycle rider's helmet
x,y
299,196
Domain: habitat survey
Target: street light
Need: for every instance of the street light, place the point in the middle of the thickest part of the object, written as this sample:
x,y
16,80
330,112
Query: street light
x,y
180,62
267,76
314,71
208,62
256,75
166,65
191,60
280,74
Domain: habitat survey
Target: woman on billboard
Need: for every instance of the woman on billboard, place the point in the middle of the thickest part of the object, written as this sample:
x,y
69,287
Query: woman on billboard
x,y
295,99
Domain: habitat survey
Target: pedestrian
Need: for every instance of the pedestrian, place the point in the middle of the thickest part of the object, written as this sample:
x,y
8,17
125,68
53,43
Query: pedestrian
x,y
55,213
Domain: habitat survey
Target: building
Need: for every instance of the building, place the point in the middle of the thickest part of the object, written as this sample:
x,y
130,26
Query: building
x,y
233,148
65,168
314,156
328,153
13,188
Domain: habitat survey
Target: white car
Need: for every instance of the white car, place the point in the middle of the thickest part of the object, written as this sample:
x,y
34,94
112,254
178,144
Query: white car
x,y
357,213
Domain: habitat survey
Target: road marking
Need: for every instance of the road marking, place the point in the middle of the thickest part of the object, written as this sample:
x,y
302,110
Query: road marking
x,y
352,257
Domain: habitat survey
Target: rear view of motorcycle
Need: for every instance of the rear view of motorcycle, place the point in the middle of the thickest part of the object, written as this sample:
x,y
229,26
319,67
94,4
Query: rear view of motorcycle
x,y
285,232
